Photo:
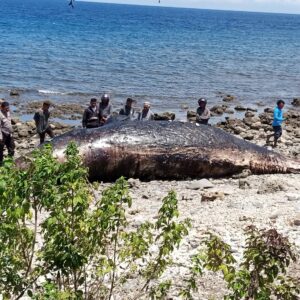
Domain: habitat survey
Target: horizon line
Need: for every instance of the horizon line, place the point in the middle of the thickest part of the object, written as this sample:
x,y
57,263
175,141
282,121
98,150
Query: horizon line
x,y
191,7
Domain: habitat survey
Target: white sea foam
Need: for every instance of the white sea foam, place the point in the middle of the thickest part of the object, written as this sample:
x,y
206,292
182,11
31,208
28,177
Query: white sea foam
x,y
48,92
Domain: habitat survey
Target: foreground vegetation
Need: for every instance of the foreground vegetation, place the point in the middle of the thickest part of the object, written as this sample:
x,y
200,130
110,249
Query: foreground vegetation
x,y
59,240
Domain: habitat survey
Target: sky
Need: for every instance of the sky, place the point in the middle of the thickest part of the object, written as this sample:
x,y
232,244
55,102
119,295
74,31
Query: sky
x,y
281,6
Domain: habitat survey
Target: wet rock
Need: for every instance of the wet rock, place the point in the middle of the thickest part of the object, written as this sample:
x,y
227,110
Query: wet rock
x,y
212,196
256,126
266,118
218,109
200,185
296,102
184,106
238,130
249,114
268,110
191,116
247,136
250,121
166,116
229,111
240,108
14,93
251,109
228,98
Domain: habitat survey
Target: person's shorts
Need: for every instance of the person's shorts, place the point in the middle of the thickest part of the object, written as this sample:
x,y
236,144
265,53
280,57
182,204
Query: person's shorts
x,y
277,131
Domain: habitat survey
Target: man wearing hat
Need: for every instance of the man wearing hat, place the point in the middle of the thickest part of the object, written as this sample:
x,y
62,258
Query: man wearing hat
x,y
203,113
6,131
105,109
146,114
41,118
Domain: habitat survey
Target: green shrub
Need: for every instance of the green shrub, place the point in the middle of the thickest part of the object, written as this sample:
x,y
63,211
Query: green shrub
x,y
60,240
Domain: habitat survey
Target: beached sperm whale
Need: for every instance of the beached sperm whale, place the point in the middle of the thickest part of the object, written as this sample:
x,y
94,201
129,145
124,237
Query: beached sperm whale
x,y
168,150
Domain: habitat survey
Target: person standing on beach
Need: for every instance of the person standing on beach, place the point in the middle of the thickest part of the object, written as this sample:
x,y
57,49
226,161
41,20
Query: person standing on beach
x,y
41,118
6,131
128,110
203,113
146,114
91,115
277,121
105,109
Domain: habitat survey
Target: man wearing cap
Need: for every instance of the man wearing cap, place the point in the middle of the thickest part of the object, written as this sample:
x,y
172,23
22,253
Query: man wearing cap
x,y
146,114
203,113
128,110
6,131
91,115
105,109
41,118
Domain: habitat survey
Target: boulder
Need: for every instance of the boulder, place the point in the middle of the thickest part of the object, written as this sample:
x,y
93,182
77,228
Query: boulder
x,y
271,186
250,121
23,132
247,136
238,130
212,196
14,93
244,184
229,111
218,109
133,183
200,185
249,114
166,116
240,108
296,102
251,109
256,126
268,110
228,98
266,118
191,115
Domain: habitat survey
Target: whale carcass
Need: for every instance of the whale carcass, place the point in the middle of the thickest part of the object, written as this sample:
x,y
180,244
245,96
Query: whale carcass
x,y
168,150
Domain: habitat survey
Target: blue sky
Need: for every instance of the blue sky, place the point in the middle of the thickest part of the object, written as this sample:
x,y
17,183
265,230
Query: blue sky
x,y
284,6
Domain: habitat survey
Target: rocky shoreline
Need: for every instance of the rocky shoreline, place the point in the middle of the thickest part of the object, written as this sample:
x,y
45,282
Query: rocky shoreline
x,y
222,206
249,124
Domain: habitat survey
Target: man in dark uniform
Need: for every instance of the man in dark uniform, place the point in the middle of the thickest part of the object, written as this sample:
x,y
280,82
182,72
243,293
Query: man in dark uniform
x,y
91,116
128,110
41,118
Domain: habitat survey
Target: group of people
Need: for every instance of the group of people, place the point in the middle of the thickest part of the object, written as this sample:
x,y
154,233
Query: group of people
x,y
97,115
41,118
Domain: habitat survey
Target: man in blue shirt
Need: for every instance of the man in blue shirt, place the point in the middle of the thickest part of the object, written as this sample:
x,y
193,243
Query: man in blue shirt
x,y
278,119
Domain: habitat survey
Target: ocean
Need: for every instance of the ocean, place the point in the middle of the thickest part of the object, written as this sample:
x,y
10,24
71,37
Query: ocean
x,y
168,56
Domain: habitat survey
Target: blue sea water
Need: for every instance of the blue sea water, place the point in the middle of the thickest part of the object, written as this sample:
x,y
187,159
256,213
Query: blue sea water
x,y
168,56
